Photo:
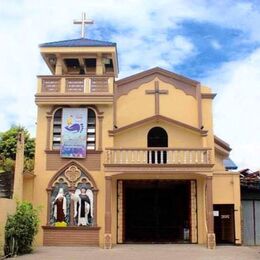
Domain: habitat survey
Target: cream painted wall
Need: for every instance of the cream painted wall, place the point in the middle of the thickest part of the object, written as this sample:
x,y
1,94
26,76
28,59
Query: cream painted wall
x,y
131,108
135,106
226,190
219,164
138,105
178,105
7,207
28,187
178,137
207,123
36,189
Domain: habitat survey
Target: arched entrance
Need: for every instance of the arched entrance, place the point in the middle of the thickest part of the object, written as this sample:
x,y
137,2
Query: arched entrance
x,y
157,137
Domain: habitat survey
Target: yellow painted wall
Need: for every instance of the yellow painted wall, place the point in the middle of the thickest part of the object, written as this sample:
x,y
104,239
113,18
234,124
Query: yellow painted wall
x,y
138,105
178,105
207,122
28,187
226,190
37,189
132,108
178,137
7,207
219,164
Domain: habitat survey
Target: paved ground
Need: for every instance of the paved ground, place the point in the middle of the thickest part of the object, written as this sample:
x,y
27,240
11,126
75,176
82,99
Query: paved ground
x,y
145,252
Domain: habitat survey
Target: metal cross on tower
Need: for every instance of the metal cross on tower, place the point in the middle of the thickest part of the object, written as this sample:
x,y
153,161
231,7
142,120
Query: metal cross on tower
x,y
83,21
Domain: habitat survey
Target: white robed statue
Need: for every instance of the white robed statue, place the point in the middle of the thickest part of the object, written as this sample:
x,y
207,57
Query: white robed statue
x,y
60,206
83,206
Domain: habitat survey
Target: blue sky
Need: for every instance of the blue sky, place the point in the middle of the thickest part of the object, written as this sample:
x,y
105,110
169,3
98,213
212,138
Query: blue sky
x,y
214,42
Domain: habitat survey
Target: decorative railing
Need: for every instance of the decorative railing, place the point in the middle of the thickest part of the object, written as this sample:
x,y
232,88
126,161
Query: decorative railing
x,y
157,156
75,84
99,85
50,85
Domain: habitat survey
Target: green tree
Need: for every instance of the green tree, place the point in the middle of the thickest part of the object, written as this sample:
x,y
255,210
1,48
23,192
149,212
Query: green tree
x,y
20,229
8,142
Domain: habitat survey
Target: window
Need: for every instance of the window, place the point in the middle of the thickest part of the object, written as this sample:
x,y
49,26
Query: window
x,y
109,65
72,65
157,137
91,129
56,139
90,64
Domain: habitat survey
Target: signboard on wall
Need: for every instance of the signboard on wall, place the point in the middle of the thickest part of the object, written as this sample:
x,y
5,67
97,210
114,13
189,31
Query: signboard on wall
x,y
74,133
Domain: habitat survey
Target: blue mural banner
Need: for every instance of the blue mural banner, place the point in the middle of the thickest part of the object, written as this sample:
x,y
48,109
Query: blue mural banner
x,y
74,133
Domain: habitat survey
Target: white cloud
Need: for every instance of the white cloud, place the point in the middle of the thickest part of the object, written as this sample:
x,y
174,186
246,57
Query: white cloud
x,y
237,108
152,52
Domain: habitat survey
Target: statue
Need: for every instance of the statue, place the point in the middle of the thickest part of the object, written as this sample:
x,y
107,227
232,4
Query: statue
x,y
60,206
83,206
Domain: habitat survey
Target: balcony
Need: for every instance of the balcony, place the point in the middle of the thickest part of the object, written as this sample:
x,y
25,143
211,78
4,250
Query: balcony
x,y
74,89
157,159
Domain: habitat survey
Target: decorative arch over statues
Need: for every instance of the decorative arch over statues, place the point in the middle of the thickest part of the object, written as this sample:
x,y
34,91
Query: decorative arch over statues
x,y
72,197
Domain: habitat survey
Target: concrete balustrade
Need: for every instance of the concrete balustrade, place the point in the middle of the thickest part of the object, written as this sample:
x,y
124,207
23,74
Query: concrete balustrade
x,y
157,156
75,84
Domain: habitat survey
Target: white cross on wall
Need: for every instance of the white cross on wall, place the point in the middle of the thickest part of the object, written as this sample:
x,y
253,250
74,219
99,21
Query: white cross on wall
x,y
83,21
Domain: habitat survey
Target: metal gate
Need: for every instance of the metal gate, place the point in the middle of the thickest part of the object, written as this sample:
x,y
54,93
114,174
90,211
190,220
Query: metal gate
x,y
251,222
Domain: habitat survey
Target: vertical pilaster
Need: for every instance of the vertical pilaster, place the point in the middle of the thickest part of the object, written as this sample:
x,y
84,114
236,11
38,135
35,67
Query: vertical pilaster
x,y
19,164
107,236
48,136
58,67
120,212
95,208
99,65
194,231
100,132
211,241
49,206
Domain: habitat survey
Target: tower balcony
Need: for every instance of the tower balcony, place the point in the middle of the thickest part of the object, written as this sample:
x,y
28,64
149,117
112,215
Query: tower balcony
x,y
159,159
71,89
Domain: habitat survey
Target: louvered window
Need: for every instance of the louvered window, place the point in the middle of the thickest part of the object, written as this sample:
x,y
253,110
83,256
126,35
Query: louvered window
x,y
91,130
56,138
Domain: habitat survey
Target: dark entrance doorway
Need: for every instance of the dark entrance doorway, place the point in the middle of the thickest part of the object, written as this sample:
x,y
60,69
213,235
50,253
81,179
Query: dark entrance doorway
x,y
156,211
224,223
157,137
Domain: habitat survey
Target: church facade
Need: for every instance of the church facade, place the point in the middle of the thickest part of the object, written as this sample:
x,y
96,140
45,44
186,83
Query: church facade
x,y
133,160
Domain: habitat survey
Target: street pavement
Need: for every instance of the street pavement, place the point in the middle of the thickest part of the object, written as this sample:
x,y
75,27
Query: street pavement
x,y
145,252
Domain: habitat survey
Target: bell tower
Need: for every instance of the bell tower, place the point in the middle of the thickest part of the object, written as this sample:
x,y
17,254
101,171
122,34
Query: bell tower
x,y
79,67
81,89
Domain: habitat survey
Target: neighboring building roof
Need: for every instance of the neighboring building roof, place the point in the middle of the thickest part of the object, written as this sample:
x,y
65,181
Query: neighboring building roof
x,y
229,164
250,179
82,42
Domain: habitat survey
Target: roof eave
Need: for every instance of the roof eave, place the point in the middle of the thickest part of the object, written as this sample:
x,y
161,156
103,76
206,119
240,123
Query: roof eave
x,y
159,71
